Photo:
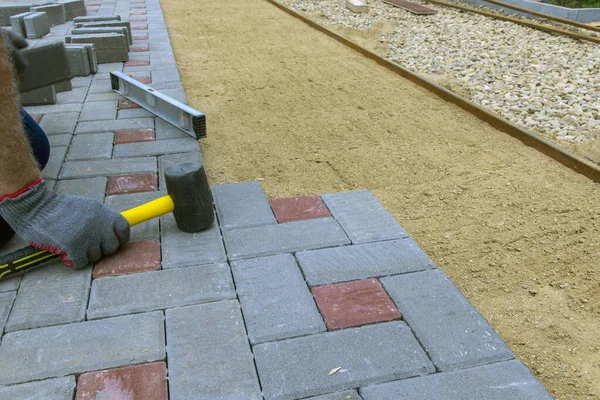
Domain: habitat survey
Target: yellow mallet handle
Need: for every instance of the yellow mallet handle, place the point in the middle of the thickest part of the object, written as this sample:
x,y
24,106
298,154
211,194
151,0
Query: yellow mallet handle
x,y
155,208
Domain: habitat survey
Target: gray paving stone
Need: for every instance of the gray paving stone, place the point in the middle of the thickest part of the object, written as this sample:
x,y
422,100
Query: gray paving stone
x,y
500,381
78,60
98,24
11,283
283,238
59,123
94,188
93,111
55,109
209,355
177,94
300,367
168,160
162,86
242,205
347,395
81,81
100,86
51,389
8,10
104,96
363,218
180,249
90,168
81,347
50,295
96,18
52,169
75,95
127,294
165,130
454,334
6,302
114,125
110,67
134,113
148,230
155,148
110,47
166,75
92,146
36,25
73,8
266,301
63,86
63,140
39,97
349,263
56,13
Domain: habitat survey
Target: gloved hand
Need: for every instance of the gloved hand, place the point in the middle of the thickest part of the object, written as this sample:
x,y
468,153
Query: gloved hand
x,y
13,43
79,229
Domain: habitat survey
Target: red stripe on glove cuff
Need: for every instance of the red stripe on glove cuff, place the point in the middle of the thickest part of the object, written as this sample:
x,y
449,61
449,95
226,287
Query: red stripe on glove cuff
x,y
20,192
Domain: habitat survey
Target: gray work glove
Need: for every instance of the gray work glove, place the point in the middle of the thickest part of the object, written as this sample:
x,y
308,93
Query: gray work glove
x,y
14,42
79,229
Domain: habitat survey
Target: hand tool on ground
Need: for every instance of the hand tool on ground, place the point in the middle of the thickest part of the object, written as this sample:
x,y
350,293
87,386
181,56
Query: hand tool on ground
x,y
189,199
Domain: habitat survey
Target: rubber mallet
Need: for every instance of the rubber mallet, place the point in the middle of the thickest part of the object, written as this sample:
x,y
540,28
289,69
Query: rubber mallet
x,y
189,199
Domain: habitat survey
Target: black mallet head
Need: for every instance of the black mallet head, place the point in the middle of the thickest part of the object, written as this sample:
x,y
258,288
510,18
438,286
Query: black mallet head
x,y
188,187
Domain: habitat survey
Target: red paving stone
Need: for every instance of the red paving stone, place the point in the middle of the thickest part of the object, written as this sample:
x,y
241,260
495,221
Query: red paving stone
x,y
133,257
134,183
36,117
127,104
138,20
139,28
139,37
137,13
137,63
144,79
143,382
138,8
299,208
136,135
348,304
138,49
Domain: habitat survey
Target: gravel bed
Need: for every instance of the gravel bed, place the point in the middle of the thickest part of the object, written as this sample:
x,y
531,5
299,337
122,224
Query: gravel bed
x,y
548,84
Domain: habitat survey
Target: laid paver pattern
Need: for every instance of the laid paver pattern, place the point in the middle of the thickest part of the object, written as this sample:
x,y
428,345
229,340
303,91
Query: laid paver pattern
x,y
314,297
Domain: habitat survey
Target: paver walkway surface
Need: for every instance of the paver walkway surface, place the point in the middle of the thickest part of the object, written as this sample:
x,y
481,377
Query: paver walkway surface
x,y
322,296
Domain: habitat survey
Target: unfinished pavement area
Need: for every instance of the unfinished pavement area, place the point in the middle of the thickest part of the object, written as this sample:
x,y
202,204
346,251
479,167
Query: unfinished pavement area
x,y
516,232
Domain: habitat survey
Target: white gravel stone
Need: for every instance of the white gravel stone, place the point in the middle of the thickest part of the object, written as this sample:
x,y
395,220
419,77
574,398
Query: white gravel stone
x,y
546,83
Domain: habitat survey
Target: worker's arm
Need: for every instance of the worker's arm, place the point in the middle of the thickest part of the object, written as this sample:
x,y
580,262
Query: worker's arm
x,y
79,229
18,168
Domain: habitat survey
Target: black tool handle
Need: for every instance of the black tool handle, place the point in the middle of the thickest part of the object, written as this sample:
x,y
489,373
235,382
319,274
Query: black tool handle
x,y
23,259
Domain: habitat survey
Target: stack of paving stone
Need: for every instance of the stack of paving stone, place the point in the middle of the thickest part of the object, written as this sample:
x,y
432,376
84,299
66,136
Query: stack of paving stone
x,y
46,60
56,13
110,36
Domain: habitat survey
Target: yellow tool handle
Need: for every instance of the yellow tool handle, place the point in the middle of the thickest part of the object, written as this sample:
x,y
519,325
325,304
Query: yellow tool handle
x,y
155,208
29,257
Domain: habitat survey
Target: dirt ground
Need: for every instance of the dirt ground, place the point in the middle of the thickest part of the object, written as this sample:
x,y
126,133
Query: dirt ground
x,y
517,232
